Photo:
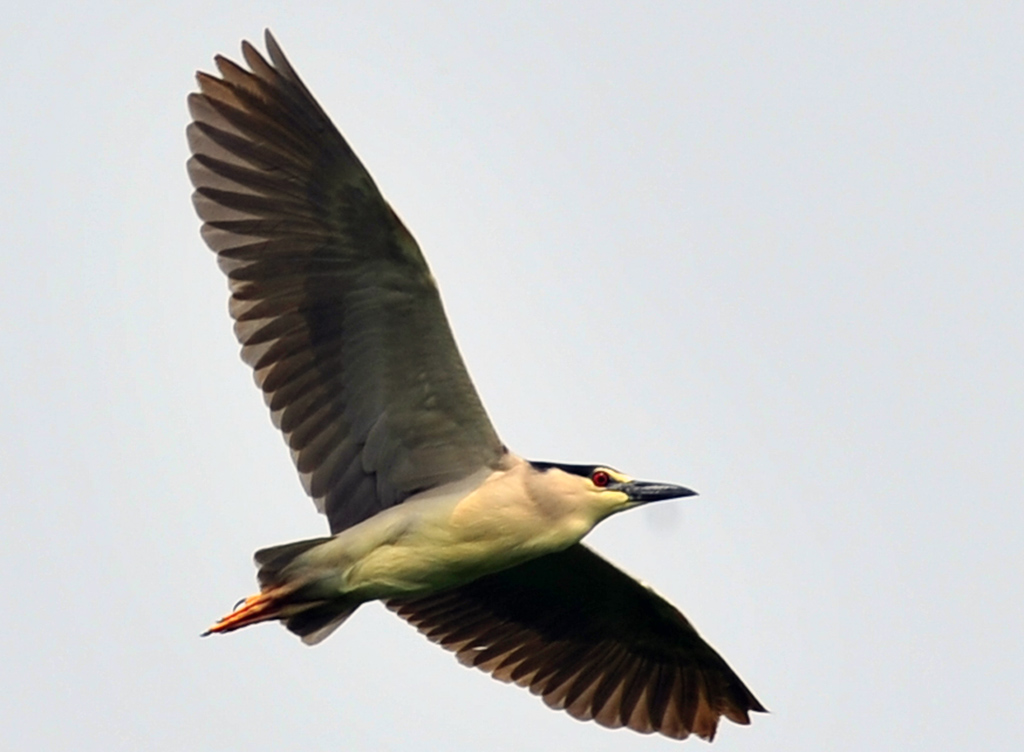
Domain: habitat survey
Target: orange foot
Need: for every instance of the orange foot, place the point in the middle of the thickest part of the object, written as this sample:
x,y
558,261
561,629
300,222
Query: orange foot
x,y
254,609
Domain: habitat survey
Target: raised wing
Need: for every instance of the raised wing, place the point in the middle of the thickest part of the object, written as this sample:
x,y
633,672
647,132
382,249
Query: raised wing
x,y
590,640
334,305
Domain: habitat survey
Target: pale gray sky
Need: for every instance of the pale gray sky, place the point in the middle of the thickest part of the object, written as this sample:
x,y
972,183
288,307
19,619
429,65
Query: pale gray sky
x,y
769,251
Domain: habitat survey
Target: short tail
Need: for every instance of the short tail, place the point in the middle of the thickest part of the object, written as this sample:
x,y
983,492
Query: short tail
x,y
288,597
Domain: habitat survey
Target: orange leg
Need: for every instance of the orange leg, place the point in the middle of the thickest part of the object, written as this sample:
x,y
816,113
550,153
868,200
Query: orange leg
x,y
263,606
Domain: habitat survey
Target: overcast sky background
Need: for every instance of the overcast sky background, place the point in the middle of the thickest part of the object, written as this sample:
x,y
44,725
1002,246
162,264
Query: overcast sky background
x,y
769,251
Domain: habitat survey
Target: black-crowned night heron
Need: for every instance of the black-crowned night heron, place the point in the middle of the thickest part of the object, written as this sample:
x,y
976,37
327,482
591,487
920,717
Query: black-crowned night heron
x,y
342,322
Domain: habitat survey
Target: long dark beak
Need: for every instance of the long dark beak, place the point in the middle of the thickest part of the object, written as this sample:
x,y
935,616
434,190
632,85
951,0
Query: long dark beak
x,y
641,491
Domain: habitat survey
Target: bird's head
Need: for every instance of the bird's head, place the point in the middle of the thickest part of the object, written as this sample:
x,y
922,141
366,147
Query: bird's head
x,y
599,488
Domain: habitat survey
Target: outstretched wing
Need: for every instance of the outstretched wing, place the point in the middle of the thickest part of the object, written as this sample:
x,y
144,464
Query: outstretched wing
x,y
590,640
334,305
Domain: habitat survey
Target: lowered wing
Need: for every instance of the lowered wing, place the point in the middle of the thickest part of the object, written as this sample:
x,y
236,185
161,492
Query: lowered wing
x,y
589,639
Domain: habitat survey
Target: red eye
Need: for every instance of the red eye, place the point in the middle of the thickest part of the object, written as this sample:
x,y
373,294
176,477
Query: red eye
x,y
600,478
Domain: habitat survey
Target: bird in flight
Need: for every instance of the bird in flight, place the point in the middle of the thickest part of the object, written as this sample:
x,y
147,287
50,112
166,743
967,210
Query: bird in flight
x,y
342,322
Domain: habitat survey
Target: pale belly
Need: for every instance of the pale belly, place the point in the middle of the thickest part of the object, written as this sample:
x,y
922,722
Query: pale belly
x,y
420,549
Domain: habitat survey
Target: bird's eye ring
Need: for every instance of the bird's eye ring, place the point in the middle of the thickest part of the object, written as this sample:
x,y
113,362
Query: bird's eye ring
x,y
600,478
